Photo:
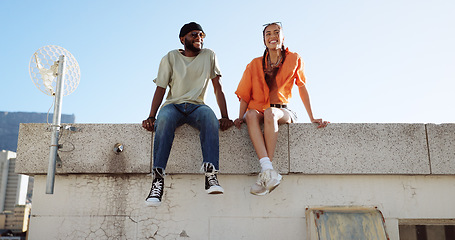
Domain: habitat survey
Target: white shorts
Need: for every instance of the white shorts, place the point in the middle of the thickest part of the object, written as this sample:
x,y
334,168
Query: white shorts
x,y
292,114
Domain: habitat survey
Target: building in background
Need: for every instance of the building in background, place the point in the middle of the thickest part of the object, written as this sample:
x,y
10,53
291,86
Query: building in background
x,y
14,206
13,187
9,132
17,220
16,189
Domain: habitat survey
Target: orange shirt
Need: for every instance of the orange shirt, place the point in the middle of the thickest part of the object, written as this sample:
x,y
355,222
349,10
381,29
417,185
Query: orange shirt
x,y
254,90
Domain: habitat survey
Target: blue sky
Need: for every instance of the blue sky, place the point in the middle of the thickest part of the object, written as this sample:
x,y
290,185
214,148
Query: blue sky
x,y
389,61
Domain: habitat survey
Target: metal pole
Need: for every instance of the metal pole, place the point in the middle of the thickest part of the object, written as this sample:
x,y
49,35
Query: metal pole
x,y
56,125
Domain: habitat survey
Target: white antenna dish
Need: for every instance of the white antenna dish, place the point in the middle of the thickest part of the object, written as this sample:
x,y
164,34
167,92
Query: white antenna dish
x,y
43,70
55,72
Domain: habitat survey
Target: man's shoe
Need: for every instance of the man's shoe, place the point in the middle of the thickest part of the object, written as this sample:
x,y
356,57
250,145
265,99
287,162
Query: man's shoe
x,y
154,197
267,182
212,186
156,193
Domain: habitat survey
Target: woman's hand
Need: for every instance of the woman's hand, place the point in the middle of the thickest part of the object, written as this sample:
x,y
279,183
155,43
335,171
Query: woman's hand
x,y
321,124
238,122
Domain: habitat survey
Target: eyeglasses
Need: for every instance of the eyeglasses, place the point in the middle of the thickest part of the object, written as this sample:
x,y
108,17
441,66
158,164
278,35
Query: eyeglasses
x,y
197,34
272,23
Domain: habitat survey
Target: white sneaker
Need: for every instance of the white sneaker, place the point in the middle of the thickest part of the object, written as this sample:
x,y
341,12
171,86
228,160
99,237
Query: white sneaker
x,y
259,187
267,182
273,179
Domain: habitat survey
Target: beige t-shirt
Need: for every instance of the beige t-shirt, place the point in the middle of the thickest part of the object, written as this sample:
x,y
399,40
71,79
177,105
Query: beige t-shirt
x,y
187,77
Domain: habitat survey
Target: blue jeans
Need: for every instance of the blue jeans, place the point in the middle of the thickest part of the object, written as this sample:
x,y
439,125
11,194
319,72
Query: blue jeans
x,y
172,116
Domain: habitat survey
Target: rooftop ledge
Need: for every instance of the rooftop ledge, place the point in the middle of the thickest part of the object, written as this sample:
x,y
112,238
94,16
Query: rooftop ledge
x,y
340,148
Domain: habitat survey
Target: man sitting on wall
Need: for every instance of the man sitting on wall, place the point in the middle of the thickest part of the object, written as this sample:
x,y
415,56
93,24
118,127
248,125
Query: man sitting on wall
x,y
187,73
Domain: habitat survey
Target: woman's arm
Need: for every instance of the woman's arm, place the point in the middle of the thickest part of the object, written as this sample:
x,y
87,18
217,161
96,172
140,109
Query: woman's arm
x,y
242,110
306,102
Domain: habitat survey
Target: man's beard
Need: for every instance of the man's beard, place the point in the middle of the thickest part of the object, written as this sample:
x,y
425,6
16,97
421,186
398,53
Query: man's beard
x,y
189,45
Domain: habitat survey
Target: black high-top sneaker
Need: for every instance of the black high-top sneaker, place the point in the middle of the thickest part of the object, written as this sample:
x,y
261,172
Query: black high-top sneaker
x,y
154,197
212,186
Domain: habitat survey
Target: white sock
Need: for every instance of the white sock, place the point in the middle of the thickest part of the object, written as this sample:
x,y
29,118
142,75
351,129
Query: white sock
x,y
265,164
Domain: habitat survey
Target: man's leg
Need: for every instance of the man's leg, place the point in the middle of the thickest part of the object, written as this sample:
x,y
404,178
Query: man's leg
x,y
206,122
167,121
169,118
203,118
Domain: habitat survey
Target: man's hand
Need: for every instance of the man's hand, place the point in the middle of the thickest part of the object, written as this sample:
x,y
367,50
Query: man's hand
x,y
225,123
149,124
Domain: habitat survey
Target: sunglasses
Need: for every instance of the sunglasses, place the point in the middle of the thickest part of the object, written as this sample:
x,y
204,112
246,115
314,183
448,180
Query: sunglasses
x,y
272,23
197,34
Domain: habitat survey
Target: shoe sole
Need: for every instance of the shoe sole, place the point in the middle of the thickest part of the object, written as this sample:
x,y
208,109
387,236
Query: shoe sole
x,y
259,194
152,204
273,187
215,190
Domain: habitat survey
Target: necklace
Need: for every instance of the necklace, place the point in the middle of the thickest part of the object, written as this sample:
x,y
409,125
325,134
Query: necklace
x,y
274,65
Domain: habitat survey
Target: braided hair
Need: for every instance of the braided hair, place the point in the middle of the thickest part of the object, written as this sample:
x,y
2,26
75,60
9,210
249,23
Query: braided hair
x,y
270,78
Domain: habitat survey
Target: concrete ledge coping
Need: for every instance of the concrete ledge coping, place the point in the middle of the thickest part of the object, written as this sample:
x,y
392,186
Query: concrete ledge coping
x,y
340,148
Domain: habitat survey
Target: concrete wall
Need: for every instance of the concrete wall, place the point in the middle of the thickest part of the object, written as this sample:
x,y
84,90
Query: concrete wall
x,y
406,171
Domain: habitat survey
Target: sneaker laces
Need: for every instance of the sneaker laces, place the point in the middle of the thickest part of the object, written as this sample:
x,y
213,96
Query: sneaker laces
x,y
157,187
211,178
263,178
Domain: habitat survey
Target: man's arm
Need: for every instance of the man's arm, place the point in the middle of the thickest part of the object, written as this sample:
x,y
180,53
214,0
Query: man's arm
x,y
149,123
225,122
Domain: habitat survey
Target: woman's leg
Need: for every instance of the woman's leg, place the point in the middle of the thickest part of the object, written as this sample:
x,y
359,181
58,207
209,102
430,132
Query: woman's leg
x,y
272,118
269,178
253,120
